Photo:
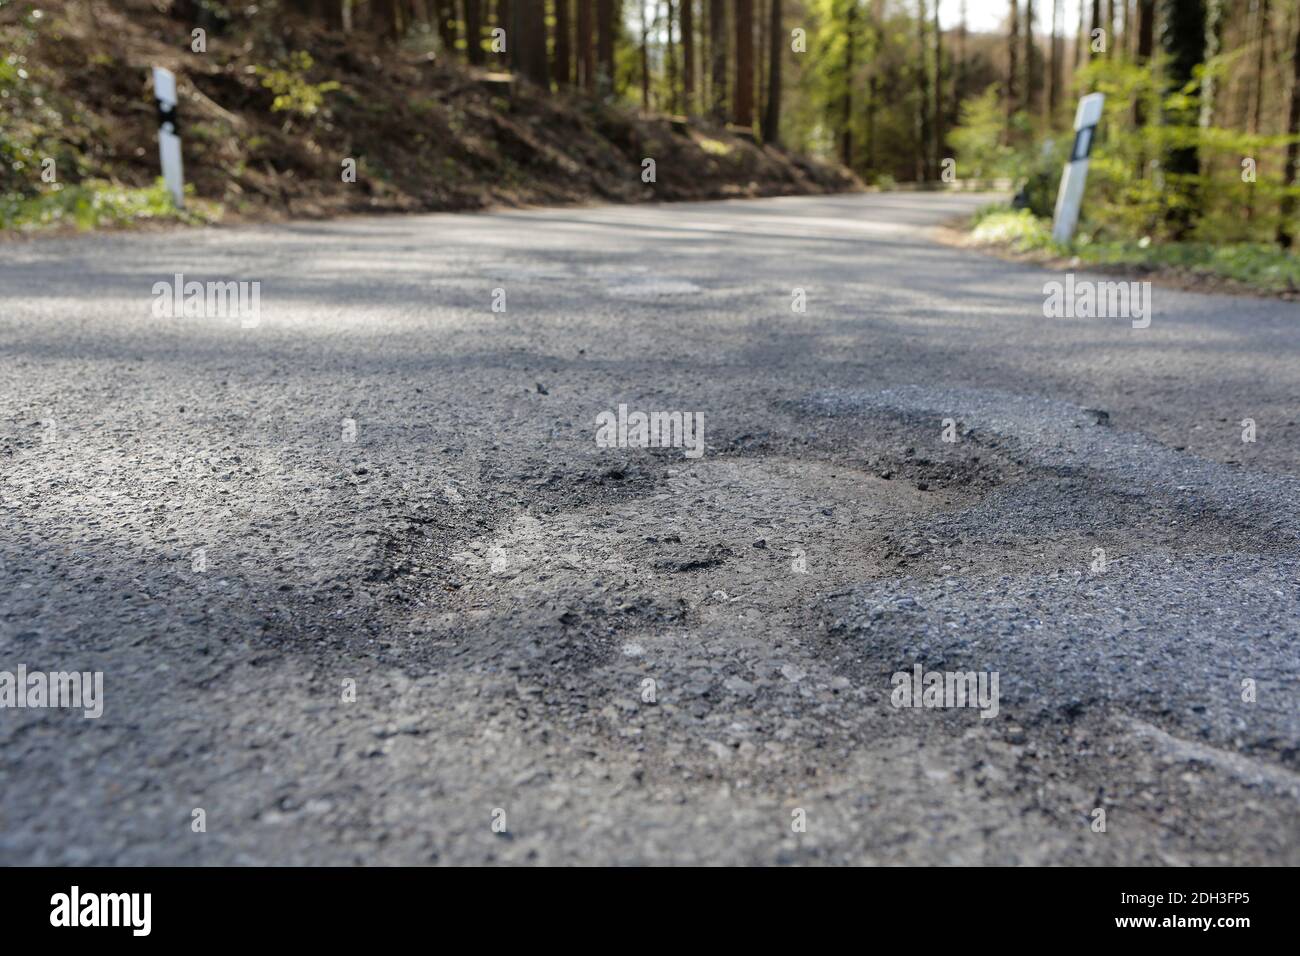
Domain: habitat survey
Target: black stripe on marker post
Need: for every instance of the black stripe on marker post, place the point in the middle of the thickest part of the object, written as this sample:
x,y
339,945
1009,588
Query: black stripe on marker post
x,y
1082,144
168,119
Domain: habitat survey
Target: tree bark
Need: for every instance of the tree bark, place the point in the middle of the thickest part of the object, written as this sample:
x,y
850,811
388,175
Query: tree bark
x,y
846,94
959,70
1213,41
645,59
688,55
718,56
505,20
604,46
674,101
563,46
1054,77
332,13
1261,64
529,40
924,128
1027,90
474,32
586,49
1146,29
775,44
1182,37
386,20
1013,46
743,95
938,90
1291,173
446,14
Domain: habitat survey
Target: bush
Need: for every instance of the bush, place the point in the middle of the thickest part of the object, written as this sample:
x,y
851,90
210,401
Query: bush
x,y
294,93
1261,266
96,204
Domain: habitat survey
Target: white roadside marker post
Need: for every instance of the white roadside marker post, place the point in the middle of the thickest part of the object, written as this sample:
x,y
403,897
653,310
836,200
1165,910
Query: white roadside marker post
x,y
1070,196
169,140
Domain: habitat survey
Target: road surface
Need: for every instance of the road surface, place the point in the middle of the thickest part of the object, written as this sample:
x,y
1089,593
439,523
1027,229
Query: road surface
x,y
364,588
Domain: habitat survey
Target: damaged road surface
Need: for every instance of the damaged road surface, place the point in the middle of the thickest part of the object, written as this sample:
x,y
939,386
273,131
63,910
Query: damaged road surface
x,y
386,574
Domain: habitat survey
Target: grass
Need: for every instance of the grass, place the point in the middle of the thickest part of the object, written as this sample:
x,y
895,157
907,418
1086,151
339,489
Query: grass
x,y
98,204
713,147
1259,266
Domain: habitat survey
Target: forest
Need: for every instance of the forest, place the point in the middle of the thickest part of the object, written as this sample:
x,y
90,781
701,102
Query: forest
x,y
1200,141
1203,100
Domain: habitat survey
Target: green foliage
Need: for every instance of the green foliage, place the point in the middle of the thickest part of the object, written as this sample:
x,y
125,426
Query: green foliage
x,y
30,121
1260,265
1018,229
294,93
713,147
977,140
1130,197
97,204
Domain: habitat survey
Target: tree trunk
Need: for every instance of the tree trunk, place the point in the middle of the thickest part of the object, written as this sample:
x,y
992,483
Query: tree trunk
x,y
586,50
529,40
846,99
674,101
775,44
959,71
958,61
1261,65
1013,52
875,29
1027,89
1291,173
505,20
563,56
938,90
474,31
924,130
718,56
604,46
333,14
1182,37
1146,29
1081,39
1054,76
688,55
645,59
1213,40
385,21
742,102
415,11
446,14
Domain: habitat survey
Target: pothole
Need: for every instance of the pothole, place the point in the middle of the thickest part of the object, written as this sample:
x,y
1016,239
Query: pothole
x,y
764,534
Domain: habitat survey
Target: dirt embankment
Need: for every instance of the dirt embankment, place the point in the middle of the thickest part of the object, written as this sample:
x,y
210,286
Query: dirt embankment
x,y
267,132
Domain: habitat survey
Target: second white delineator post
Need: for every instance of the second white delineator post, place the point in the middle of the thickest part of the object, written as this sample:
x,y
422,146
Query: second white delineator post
x,y
1075,175
169,140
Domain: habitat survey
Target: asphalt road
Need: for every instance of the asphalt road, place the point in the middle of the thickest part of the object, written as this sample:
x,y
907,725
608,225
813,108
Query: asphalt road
x,y
363,587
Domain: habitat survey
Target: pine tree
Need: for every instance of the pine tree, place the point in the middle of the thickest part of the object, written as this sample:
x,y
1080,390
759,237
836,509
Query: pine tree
x,y
775,44
1291,174
1182,38
743,94
718,56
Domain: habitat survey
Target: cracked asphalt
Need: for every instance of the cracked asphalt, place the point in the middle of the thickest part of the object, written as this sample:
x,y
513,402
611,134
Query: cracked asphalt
x,y
362,584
